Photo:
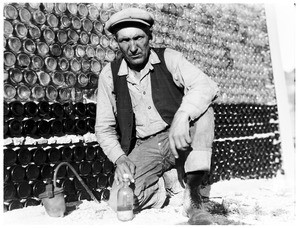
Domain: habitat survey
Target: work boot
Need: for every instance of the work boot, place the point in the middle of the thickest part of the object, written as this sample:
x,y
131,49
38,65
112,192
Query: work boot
x,y
193,203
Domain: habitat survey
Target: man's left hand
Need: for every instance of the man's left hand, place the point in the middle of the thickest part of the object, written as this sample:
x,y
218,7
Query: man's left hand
x,y
179,135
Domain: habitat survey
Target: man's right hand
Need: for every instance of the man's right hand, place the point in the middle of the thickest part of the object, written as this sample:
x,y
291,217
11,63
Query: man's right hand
x,y
124,165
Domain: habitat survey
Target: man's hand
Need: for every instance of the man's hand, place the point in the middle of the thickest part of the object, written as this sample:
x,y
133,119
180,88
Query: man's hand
x,y
124,165
179,136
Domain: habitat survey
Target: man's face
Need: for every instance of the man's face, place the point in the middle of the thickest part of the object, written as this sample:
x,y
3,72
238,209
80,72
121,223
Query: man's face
x,y
134,44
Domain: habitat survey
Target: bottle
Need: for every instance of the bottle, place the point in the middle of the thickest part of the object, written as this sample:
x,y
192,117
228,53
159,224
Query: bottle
x,y
90,153
10,157
73,36
32,172
15,76
37,63
23,92
95,66
78,153
10,191
85,65
20,30
29,127
42,48
95,40
87,25
84,38
9,59
80,126
15,204
30,77
16,108
63,64
54,155
125,201
52,20
48,35
14,44
31,202
62,36
72,8
82,10
8,29
34,32
39,156
38,187
29,46
10,12
15,128
51,93
39,17
64,94
90,124
70,79
17,173
55,49
9,92
23,190
43,128
75,65
65,21
93,12
56,110
24,156
43,109
101,181
30,108
85,168
37,92
96,167
23,60
66,153
50,63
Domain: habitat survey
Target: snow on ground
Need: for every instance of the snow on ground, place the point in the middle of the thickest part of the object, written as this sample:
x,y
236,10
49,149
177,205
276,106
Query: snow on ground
x,y
234,202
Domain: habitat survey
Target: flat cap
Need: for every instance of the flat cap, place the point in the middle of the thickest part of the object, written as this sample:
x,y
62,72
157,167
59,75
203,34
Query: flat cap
x,y
125,16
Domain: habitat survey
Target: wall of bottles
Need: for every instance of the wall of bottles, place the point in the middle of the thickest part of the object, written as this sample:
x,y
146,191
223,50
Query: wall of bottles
x,y
53,54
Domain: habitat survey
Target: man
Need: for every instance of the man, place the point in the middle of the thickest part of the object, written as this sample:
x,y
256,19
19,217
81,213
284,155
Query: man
x,y
154,114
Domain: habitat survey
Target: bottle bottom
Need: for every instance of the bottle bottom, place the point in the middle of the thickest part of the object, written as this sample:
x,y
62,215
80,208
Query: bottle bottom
x,y
125,215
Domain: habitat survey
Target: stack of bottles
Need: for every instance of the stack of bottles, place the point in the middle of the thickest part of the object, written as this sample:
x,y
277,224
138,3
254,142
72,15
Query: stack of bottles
x,y
53,54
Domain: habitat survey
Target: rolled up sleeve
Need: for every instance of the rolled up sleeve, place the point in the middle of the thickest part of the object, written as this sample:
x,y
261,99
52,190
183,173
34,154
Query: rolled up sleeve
x,y
105,127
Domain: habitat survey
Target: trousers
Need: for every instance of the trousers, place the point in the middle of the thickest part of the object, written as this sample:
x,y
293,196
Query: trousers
x,y
153,157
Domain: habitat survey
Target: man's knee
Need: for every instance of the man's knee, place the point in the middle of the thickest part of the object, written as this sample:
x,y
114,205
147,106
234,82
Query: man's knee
x,y
203,130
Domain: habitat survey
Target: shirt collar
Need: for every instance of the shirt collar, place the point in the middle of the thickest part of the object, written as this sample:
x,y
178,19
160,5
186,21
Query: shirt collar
x,y
153,59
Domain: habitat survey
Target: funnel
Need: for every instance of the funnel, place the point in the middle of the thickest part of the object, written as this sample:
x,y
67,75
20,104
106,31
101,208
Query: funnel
x,y
53,197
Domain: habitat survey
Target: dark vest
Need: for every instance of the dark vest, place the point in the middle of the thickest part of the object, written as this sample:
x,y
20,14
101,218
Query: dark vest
x,y
166,96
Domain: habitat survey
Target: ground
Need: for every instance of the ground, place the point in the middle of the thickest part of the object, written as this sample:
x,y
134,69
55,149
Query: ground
x,y
234,202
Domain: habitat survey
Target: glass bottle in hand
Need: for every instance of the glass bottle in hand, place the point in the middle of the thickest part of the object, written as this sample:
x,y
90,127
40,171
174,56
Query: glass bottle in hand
x,y
125,201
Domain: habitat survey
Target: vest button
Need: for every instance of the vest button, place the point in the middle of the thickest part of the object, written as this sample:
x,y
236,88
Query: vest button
x,y
149,107
144,92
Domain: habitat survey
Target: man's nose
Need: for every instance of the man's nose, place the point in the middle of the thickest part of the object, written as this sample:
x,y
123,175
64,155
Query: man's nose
x,y
133,46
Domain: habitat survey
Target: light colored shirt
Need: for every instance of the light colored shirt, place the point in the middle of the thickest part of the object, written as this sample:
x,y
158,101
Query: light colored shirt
x,y
199,91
